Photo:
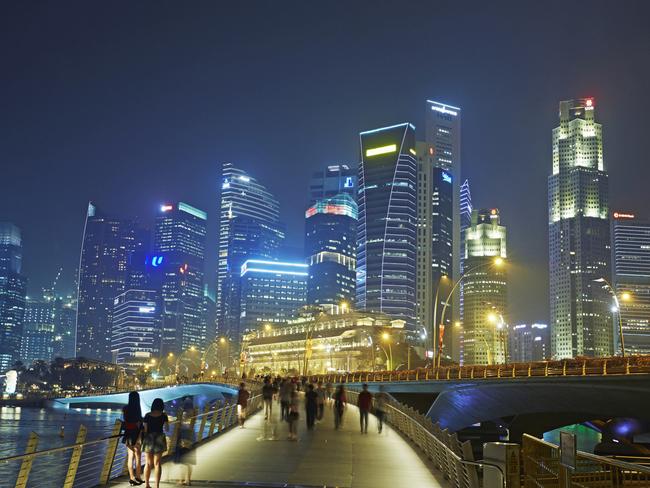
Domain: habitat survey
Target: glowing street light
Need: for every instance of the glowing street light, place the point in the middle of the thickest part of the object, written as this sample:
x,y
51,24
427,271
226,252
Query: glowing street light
x,y
387,339
616,308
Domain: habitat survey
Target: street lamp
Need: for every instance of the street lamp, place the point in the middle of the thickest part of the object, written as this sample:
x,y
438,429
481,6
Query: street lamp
x,y
495,263
435,313
386,338
626,297
499,323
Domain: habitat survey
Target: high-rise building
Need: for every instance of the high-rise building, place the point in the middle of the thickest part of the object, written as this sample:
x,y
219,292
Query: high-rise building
x,y
271,292
333,180
528,343
249,227
13,289
330,247
486,287
179,240
106,247
386,230
434,265
579,236
136,334
631,260
38,330
65,326
465,221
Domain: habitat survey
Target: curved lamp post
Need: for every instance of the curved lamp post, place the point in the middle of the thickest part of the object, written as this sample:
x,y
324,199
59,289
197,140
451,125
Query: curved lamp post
x,y
625,296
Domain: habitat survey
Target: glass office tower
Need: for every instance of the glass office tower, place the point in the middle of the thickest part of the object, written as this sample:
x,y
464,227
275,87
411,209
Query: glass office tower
x,y
13,289
38,330
386,238
333,180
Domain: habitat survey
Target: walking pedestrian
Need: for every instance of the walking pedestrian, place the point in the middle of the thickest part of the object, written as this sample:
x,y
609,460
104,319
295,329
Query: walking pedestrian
x,y
365,404
155,441
320,391
132,438
293,415
267,396
242,403
329,388
380,407
340,402
285,398
311,406
184,454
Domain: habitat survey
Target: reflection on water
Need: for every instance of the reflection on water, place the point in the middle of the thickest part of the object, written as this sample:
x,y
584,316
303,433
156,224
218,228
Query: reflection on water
x,y
586,438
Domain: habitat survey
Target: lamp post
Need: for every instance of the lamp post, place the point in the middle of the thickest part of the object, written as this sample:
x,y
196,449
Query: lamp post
x,y
497,262
626,297
500,324
386,338
435,315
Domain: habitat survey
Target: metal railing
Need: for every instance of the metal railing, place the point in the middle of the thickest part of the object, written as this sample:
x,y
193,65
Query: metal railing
x,y
87,464
542,468
452,458
630,365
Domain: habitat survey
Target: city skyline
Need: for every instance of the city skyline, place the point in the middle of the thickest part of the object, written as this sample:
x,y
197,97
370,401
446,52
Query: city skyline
x,y
35,180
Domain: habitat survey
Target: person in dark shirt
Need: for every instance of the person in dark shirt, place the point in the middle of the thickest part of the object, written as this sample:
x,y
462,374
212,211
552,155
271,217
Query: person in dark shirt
x,y
155,441
132,437
365,404
267,396
340,401
242,403
311,406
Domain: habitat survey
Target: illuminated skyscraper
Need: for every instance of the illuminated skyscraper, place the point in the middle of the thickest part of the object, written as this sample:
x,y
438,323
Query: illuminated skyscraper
x,y
13,286
579,236
330,247
529,343
465,221
386,236
335,179
107,244
179,239
486,290
65,320
38,330
631,255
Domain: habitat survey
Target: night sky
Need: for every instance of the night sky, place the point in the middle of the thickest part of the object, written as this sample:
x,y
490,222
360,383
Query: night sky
x,y
134,103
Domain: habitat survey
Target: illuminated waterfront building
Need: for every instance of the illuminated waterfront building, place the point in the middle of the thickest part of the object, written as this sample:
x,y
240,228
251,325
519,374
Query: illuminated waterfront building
x,y
330,247
386,231
528,343
486,287
579,236
332,181
631,260
38,330
271,292
13,289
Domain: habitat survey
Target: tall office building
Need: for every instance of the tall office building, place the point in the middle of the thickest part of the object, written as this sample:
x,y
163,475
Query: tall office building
x,y
528,343
486,290
579,236
249,227
13,288
179,239
106,247
465,221
330,247
434,241
65,326
631,260
333,180
386,231
136,333
271,292
38,330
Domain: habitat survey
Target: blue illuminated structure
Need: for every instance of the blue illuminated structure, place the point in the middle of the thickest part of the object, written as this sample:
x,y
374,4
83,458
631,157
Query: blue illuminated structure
x,y
332,181
13,291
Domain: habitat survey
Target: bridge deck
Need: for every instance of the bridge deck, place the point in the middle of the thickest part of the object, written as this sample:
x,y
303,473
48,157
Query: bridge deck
x,y
261,453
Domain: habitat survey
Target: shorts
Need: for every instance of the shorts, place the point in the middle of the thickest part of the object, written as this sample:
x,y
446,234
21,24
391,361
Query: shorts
x,y
154,443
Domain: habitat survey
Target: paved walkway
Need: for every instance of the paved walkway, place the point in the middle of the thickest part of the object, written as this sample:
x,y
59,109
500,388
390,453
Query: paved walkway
x,y
261,453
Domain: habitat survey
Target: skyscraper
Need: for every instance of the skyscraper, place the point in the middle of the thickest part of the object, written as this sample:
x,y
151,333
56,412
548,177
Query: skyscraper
x,y
179,239
386,235
330,247
579,236
486,290
38,330
529,343
271,292
65,320
249,227
13,288
107,244
434,240
631,259
333,180
465,221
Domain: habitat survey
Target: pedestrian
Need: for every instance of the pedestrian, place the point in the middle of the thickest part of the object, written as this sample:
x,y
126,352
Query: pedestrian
x,y
183,453
293,415
132,438
329,388
311,406
380,407
339,406
364,403
155,441
320,391
267,396
285,398
242,403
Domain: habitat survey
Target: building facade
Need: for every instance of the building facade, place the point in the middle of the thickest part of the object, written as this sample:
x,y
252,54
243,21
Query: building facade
x,y
579,236
631,260
179,239
486,290
386,235
332,181
529,342
271,292
13,291
65,326
330,248
38,330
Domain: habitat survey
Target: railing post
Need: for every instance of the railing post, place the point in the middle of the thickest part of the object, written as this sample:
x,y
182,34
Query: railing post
x,y
426,376
448,371
499,371
204,419
75,458
605,367
460,372
563,368
176,432
471,373
26,465
514,371
545,369
437,373
213,420
484,372
195,412
529,369
627,366
584,367
110,454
